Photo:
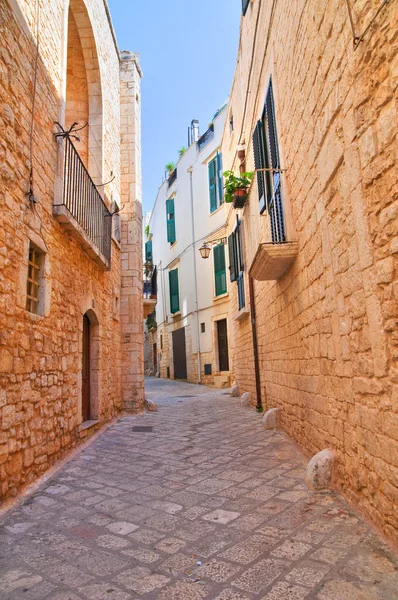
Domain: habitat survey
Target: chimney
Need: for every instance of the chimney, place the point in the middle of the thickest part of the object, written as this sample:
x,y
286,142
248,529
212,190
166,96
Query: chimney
x,y
193,132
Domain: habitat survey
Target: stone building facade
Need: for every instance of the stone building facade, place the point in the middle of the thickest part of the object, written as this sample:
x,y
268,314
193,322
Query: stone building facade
x,y
71,333
319,233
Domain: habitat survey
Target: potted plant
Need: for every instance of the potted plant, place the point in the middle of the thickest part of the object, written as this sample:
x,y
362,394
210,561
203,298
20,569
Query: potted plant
x,y
236,188
182,151
170,167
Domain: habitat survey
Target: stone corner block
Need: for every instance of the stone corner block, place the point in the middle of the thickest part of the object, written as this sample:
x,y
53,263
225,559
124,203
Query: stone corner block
x,y
245,399
235,391
319,471
271,418
151,406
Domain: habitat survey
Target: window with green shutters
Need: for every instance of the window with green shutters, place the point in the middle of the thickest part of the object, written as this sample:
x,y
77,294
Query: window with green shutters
x,y
148,251
171,223
220,275
215,182
174,291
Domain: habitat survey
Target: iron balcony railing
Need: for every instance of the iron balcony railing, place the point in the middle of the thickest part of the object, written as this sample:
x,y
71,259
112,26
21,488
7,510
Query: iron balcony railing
x,y
172,177
205,138
83,201
267,185
241,291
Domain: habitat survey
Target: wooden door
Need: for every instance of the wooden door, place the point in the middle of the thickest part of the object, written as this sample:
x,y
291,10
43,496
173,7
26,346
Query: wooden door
x,y
179,354
223,345
86,370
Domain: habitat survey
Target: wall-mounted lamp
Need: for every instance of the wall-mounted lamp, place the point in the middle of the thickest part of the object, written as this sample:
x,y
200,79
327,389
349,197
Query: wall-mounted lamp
x,y
205,251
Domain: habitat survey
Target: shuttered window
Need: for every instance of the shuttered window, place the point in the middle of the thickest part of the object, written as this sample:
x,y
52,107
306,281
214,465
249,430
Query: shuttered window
x,y
213,184
174,291
266,156
148,251
233,274
236,264
171,224
216,183
259,150
220,276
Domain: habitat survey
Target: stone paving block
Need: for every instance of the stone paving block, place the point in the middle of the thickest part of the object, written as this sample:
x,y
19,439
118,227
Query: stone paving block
x,y
216,570
258,577
249,549
221,516
184,591
122,528
141,580
286,591
104,590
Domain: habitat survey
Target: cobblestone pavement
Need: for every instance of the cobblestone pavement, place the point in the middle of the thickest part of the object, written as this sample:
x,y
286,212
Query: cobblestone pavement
x,y
207,505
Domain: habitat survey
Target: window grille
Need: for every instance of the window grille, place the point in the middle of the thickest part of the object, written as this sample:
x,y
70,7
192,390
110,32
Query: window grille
x,y
33,280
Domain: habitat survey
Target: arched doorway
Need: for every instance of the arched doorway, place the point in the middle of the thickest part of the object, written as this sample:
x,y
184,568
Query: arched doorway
x,y
83,98
86,371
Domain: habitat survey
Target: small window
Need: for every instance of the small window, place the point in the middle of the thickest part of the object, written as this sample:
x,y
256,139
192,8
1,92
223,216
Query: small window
x,y
34,284
203,327
161,342
231,123
245,4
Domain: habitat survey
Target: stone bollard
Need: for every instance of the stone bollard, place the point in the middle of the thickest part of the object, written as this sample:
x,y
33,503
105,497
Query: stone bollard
x,y
157,375
319,471
150,406
235,391
245,399
271,418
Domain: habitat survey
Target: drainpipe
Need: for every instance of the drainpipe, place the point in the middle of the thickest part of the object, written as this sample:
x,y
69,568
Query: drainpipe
x,y
259,405
195,278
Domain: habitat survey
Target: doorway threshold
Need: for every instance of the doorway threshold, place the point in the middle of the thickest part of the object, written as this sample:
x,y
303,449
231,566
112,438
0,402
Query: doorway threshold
x,y
89,423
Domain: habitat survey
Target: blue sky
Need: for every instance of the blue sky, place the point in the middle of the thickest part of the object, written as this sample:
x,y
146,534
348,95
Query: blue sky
x,y
188,50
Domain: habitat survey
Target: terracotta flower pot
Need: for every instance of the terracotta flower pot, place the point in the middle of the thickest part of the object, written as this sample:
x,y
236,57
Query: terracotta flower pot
x,y
240,197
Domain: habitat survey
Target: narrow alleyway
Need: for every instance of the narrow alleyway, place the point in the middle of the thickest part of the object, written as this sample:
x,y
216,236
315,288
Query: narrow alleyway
x,y
194,501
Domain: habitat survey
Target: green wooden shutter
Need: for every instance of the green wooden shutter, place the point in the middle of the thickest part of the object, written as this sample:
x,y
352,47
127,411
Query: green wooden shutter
x,y
232,257
212,184
220,180
174,291
148,251
171,224
219,269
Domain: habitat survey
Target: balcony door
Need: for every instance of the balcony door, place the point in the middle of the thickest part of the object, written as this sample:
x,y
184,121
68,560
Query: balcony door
x,y
222,337
86,370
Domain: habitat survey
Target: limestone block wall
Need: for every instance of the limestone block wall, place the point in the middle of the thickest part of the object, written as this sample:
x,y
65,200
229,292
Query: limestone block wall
x,y
328,328
41,355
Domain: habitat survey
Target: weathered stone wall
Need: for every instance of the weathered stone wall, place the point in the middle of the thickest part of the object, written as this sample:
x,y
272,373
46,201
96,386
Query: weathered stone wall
x,y
41,355
328,328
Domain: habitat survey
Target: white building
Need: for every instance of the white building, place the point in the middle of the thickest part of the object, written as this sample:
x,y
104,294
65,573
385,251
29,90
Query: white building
x,y
192,313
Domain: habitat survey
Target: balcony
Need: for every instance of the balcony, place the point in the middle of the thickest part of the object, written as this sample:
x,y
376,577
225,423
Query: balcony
x,y
205,138
82,210
172,177
274,253
149,289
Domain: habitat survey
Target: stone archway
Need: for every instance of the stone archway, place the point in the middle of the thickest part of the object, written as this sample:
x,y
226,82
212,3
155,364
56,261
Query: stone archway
x,y
83,94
